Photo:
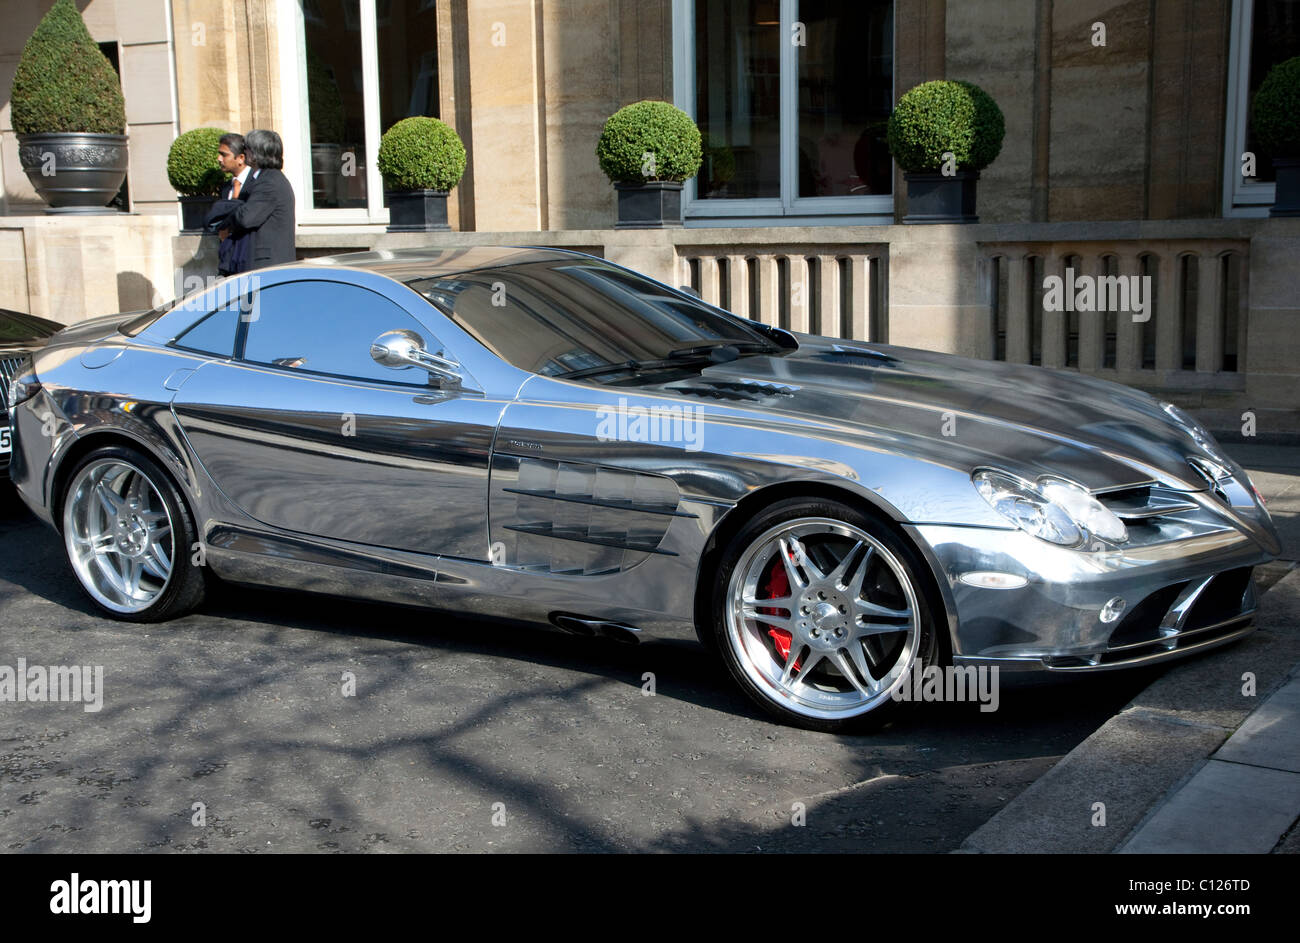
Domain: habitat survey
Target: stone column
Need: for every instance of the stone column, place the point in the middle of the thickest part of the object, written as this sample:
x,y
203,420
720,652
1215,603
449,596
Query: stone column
x,y
829,322
1054,322
738,285
1128,337
1209,312
1018,313
801,291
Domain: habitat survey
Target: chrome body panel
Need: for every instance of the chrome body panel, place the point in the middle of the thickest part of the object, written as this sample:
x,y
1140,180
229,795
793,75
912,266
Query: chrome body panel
x,y
506,496
316,455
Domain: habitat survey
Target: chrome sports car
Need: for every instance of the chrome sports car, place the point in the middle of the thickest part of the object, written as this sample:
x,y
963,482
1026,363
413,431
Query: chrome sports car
x,y
544,436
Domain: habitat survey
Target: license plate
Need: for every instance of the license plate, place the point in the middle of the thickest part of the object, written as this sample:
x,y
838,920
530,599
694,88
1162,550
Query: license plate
x,y
6,439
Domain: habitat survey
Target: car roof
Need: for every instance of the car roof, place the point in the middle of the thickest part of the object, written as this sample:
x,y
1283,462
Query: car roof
x,y
406,265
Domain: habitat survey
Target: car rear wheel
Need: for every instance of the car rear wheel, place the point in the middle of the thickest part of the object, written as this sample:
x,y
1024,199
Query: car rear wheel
x,y
821,614
128,536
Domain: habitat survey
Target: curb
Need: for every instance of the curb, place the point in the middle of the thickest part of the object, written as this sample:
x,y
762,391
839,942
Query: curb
x,y
1139,759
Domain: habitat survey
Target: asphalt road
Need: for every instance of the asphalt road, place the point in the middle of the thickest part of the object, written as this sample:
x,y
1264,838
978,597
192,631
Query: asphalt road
x,y
464,736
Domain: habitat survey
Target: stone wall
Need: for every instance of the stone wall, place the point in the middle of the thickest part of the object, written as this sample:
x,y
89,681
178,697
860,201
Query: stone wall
x,y
1133,129
69,270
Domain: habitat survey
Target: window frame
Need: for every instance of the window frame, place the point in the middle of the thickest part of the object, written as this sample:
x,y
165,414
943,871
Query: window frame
x,y
297,131
1241,197
789,209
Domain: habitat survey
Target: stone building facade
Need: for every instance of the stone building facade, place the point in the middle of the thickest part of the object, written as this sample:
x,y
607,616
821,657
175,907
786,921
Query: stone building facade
x,y
1126,125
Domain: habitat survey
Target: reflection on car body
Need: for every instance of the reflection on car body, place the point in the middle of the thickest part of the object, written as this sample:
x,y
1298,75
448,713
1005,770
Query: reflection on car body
x,y
424,426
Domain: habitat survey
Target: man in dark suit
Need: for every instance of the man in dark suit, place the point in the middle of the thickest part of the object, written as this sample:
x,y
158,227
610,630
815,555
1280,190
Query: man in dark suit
x,y
233,253
268,213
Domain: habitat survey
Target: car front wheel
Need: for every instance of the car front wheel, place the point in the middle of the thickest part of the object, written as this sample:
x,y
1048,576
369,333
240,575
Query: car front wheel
x,y
820,614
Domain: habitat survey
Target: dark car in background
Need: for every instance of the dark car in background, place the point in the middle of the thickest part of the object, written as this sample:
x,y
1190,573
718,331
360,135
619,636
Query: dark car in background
x,y
20,334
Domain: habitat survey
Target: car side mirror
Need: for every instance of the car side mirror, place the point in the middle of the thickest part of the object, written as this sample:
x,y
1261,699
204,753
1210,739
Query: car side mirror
x,y
401,349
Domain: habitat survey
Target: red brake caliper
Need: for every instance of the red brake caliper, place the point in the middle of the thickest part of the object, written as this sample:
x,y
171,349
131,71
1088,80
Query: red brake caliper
x,y
775,586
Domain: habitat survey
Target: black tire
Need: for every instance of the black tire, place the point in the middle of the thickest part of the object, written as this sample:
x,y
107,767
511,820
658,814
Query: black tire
x,y
886,560
183,588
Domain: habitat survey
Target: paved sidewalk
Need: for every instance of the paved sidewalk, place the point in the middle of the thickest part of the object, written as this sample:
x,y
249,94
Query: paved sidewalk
x,y
1244,799
1207,758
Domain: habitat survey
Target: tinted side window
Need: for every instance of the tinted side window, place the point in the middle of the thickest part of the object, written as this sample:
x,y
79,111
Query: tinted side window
x,y
328,327
215,334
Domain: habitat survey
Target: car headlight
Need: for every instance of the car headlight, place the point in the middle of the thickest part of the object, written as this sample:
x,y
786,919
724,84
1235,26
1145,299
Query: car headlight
x,y
1051,509
24,384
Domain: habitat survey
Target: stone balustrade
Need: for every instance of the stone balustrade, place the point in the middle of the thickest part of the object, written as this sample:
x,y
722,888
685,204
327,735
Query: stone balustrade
x,y
1217,328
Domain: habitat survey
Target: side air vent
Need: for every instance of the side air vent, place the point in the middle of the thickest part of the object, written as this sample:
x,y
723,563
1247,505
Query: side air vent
x,y
1144,502
735,389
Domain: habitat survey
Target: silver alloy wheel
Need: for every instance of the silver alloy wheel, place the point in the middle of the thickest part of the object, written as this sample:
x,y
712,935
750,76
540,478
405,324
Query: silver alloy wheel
x,y
849,613
118,532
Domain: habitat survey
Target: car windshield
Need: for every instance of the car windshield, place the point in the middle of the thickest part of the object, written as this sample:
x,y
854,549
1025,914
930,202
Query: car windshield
x,y
559,317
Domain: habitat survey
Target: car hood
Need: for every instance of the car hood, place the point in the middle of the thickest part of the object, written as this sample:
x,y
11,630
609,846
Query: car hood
x,y
967,413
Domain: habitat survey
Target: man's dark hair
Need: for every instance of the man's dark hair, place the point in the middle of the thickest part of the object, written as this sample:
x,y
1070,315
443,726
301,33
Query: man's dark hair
x,y
264,149
235,142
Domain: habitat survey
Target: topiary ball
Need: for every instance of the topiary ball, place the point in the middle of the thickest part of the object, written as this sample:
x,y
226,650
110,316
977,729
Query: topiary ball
x,y
649,140
421,154
1275,113
63,82
192,163
942,116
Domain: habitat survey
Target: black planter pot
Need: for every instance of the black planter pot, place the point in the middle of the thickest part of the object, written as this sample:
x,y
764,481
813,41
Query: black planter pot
x,y
194,210
74,173
656,204
1286,201
417,210
936,198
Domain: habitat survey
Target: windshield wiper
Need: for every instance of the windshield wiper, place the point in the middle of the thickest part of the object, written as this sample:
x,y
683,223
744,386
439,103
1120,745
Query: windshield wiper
x,y
736,346
642,366
708,353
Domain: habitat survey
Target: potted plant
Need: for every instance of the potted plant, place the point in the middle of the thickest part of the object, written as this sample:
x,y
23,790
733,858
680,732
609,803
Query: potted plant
x,y
67,110
421,159
942,134
1275,119
327,127
719,163
193,173
647,149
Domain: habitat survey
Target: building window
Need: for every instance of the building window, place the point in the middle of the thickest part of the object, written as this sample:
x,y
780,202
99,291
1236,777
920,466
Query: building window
x,y
792,97
1264,33
362,66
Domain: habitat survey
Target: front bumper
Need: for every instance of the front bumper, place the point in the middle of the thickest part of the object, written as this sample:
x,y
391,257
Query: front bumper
x,y
1180,598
